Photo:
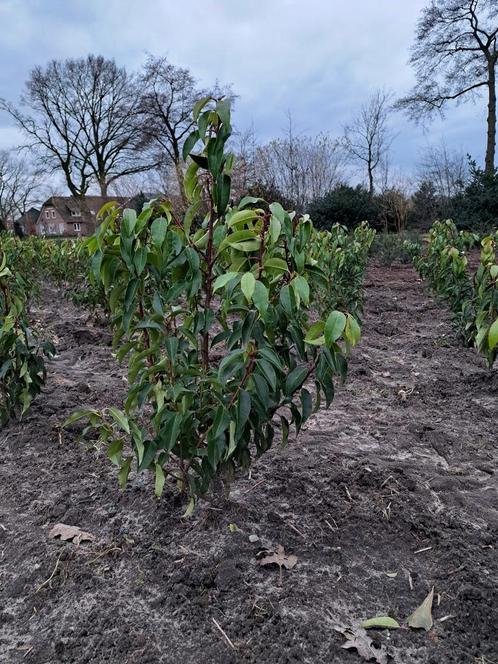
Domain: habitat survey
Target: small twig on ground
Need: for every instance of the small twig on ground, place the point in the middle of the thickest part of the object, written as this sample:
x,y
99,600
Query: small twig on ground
x,y
426,548
256,484
104,553
53,573
295,529
457,569
224,634
331,528
187,550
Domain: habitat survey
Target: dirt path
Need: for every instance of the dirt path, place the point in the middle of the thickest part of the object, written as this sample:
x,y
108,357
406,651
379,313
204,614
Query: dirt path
x,y
399,476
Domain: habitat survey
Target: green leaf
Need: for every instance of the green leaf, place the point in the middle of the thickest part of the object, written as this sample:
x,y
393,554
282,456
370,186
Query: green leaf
x,y
287,300
230,365
158,231
493,335
271,356
168,435
190,509
124,472
275,229
249,200
352,330
278,211
120,418
237,238
380,622
160,480
247,285
295,379
260,297
306,404
189,144
114,451
243,409
334,327
78,415
129,221
198,106
285,430
242,216
275,264
268,372
314,335
301,286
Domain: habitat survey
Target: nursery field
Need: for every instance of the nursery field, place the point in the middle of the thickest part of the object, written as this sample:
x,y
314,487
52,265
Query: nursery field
x,y
386,495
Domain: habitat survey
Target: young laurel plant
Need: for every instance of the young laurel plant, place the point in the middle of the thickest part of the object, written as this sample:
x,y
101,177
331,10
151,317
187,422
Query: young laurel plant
x,y
22,366
486,300
215,323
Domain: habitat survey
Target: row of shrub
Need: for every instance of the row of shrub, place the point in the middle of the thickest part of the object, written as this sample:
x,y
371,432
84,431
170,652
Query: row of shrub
x,y
472,297
474,206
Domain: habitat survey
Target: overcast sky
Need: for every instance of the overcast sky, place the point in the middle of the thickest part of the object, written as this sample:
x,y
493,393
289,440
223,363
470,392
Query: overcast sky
x,y
318,58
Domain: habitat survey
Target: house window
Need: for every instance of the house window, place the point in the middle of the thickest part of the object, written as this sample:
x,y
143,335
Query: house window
x,y
75,213
77,227
47,214
53,214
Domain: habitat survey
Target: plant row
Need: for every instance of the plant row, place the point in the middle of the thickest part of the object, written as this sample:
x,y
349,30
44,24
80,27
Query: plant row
x,y
22,354
472,298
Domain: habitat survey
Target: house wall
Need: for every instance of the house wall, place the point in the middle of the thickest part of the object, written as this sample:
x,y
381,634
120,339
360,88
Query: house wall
x,y
52,223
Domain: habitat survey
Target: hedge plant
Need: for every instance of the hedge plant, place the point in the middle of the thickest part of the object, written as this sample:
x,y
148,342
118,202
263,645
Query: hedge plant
x,y
216,322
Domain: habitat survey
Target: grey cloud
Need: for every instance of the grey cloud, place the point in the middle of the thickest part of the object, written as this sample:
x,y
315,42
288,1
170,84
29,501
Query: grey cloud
x,y
321,59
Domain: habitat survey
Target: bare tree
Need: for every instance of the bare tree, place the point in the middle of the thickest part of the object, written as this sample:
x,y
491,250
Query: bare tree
x,y
394,206
446,169
368,138
244,175
83,118
301,168
19,186
169,93
454,57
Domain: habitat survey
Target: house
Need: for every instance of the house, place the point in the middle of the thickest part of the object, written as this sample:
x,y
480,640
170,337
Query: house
x,y
25,224
67,216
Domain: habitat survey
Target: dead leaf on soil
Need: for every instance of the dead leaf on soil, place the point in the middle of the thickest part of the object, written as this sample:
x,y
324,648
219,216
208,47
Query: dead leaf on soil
x,y
421,618
360,641
279,557
68,533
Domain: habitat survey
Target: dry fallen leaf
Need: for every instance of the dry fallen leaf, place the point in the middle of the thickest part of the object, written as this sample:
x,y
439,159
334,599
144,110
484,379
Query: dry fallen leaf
x,y
73,533
363,644
421,618
279,557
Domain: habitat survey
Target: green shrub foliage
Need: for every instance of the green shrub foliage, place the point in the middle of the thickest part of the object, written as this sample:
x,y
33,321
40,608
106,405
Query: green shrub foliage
x,y
22,366
343,257
473,299
217,324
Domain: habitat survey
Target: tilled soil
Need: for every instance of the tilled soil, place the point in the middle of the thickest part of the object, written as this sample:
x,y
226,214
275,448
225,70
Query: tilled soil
x,y
391,492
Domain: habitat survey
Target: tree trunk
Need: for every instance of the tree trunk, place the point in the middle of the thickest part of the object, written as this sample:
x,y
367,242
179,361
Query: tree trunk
x,y
181,186
491,135
370,170
370,181
103,188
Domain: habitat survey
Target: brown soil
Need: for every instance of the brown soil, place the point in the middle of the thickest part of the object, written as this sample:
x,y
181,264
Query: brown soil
x,y
398,476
